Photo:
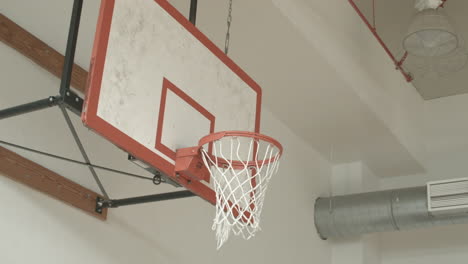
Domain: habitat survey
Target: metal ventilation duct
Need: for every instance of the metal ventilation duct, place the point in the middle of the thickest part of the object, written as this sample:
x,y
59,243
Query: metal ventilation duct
x,y
392,210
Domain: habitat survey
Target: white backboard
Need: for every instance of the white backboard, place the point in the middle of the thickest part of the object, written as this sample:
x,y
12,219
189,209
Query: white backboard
x,y
158,84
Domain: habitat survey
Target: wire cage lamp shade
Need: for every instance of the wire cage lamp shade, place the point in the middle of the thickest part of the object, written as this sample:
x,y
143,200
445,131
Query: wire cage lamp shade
x,y
430,34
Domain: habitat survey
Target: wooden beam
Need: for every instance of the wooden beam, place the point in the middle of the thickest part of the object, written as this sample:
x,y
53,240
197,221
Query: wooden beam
x,y
39,52
48,182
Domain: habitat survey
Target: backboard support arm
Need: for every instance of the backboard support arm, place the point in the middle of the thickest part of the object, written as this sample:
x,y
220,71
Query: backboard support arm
x,y
101,203
71,47
66,97
29,107
193,11
72,101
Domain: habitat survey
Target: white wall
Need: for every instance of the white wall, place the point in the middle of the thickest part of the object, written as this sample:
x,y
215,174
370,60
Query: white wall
x,y
431,245
445,135
426,246
38,229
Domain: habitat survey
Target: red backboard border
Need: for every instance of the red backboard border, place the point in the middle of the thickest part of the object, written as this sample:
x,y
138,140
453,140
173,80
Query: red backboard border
x,y
117,137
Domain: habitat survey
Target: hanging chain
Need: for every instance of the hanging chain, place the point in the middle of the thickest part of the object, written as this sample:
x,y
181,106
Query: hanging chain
x,y
228,33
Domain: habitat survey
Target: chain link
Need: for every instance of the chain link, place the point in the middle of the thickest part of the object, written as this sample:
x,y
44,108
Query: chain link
x,y
228,33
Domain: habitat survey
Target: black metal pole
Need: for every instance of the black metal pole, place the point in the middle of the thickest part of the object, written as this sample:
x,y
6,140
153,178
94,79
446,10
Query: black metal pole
x,y
71,47
193,11
29,107
146,199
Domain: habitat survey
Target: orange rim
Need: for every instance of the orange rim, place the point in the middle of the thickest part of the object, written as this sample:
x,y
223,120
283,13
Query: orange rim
x,y
237,164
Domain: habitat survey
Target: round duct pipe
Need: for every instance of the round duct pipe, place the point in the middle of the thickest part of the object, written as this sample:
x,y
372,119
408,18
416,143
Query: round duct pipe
x,y
392,210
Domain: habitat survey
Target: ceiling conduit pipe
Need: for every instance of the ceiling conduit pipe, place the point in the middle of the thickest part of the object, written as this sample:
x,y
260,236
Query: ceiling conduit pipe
x,y
383,211
398,64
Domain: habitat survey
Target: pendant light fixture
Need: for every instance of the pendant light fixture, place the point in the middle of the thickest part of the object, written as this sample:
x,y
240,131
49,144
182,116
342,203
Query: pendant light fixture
x,y
431,34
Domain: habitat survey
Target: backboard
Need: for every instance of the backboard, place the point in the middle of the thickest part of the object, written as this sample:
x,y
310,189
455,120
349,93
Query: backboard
x,y
157,84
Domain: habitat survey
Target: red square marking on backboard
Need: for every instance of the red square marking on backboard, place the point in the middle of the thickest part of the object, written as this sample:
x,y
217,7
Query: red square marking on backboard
x,y
167,85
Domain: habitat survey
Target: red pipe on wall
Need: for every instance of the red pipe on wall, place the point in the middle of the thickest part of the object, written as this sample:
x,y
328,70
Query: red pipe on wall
x,y
398,64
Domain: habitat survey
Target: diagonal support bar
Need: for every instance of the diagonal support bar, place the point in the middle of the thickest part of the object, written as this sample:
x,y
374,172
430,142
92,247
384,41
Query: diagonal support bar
x,y
76,161
82,150
73,102
101,204
29,107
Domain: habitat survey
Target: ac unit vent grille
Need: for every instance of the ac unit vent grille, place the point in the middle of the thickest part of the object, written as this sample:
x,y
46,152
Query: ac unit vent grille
x,y
448,197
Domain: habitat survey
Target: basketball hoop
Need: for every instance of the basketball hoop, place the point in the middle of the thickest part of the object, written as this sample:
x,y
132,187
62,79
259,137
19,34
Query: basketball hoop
x,y
241,165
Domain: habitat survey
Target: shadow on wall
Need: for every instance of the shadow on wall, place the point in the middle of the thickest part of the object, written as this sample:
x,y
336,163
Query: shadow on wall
x,y
74,236
448,243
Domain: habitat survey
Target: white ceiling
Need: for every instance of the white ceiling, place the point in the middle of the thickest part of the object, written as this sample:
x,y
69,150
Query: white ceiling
x,y
392,21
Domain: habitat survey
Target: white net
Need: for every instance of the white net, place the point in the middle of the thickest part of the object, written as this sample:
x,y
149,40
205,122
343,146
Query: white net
x,y
241,168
